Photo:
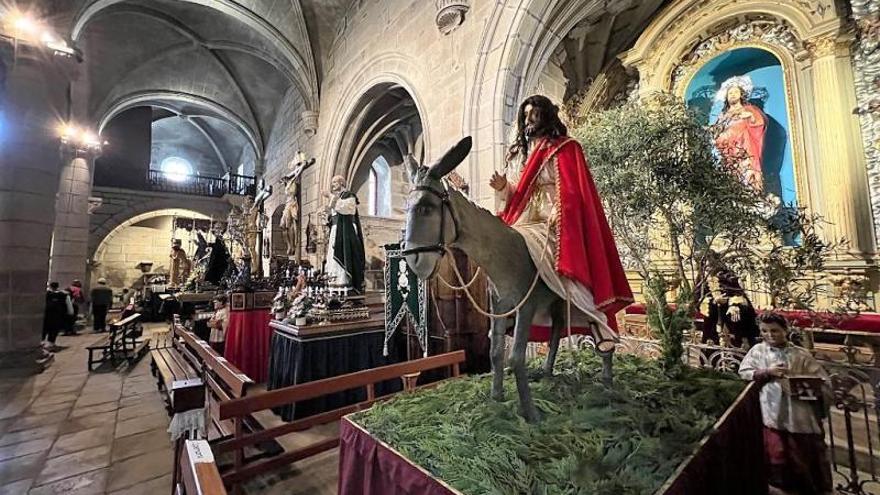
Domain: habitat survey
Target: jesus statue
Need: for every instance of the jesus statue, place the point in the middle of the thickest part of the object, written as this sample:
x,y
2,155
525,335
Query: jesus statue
x,y
554,205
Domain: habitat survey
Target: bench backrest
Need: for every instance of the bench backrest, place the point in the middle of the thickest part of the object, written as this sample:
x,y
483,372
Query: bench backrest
x,y
199,473
127,321
224,382
225,373
366,378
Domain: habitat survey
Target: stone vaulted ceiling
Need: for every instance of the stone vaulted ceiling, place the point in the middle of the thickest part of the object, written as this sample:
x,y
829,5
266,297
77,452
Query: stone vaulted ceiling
x,y
595,41
214,71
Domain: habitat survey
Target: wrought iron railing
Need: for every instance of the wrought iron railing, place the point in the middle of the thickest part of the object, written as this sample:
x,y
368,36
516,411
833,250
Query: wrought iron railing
x,y
853,422
242,185
200,185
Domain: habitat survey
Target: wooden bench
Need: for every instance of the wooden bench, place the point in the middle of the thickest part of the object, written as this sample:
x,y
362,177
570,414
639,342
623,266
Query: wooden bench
x,y
223,380
197,473
121,342
181,383
238,410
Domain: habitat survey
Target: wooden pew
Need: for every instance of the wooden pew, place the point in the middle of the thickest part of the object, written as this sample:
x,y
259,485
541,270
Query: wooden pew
x,y
176,376
223,380
121,342
197,471
238,410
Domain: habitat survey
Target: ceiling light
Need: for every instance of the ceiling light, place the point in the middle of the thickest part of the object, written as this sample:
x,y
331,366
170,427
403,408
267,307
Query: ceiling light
x,y
23,23
81,139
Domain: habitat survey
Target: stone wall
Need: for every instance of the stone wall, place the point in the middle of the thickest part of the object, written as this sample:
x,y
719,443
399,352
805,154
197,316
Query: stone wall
x,y
149,240
287,137
552,82
380,42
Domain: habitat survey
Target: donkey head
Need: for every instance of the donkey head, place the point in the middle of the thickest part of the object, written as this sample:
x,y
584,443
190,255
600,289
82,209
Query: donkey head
x,y
430,224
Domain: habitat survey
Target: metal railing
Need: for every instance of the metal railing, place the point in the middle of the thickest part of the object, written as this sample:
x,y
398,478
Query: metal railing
x,y
853,423
200,185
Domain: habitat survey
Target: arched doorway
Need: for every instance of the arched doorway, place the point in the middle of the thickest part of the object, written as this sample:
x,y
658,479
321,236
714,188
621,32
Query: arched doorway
x,y
383,128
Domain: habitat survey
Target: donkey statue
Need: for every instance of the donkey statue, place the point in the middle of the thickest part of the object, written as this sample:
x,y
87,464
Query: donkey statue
x,y
438,218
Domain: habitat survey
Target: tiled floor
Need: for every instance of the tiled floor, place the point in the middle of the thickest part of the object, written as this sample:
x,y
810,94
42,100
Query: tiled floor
x,y
72,432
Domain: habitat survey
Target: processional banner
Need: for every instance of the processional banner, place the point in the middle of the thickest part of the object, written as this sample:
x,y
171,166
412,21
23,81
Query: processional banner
x,y
405,297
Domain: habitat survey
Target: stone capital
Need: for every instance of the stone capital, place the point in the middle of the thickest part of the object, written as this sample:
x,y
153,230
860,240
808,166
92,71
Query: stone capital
x,y
450,14
310,122
827,45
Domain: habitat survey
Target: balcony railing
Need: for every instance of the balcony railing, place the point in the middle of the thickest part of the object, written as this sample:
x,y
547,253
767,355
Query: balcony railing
x,y
198,185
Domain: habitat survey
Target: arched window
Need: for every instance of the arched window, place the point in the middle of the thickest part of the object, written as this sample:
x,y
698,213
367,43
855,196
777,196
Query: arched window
x,y
176,168
379,188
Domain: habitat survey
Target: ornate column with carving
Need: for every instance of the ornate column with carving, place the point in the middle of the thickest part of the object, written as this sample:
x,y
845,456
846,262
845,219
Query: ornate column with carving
x,y
841,156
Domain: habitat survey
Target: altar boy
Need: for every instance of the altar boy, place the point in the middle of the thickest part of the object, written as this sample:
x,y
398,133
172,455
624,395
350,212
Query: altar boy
x,y
793,437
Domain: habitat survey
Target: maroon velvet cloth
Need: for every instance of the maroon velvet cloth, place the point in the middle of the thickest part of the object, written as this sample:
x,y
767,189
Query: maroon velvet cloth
x,y
247,342
366,467
798,462
729,462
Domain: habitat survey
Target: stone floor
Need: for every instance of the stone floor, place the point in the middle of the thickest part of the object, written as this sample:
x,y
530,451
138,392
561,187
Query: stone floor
x,y
73,432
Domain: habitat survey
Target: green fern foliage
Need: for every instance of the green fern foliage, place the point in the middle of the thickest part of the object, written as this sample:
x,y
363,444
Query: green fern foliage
x,y
626,439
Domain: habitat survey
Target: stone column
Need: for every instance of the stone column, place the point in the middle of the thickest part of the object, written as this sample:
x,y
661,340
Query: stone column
x,y
33,89
841,157
71,234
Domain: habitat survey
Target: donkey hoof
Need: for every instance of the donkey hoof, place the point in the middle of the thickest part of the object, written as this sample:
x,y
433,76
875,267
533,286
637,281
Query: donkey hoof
x,y
532,416
536,374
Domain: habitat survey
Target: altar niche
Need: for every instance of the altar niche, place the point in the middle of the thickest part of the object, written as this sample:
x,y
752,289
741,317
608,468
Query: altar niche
x,y
759,76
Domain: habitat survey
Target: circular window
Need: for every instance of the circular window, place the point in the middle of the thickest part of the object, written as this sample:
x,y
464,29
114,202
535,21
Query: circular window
x,y
176,168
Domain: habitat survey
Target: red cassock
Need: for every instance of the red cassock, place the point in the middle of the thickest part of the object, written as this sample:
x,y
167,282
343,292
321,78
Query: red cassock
x,y
587,252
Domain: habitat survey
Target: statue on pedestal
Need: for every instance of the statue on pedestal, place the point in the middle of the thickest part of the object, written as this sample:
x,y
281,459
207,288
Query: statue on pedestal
x,y
290,220
346,259
180,265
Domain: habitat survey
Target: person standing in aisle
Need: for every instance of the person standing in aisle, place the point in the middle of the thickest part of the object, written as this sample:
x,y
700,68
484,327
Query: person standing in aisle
x,y
59,308
102,299
78,298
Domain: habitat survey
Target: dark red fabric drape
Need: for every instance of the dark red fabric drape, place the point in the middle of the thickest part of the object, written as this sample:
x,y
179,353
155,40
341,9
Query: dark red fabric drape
x,y
366,467
247,342
587,251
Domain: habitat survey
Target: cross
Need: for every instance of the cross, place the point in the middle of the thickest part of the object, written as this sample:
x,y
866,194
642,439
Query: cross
x,y
298,168
263,193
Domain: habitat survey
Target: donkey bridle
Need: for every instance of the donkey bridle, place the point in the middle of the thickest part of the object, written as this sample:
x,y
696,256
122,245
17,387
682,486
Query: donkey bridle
x,y
440,246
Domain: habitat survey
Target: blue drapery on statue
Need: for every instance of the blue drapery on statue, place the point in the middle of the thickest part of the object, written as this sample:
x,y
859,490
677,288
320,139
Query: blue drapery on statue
x,y
405,297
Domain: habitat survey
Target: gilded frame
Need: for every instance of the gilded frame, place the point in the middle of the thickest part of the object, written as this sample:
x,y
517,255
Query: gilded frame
x,y
786,60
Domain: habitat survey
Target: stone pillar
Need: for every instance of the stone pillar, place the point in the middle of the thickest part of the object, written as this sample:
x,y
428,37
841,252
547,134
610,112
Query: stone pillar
x,y
841,157
71,234
33,89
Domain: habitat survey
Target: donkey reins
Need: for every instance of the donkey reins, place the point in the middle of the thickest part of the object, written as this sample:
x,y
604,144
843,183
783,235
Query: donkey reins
x,y
440,246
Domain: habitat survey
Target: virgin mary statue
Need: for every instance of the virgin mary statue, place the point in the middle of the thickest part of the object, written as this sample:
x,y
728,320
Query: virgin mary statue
x,y
740,131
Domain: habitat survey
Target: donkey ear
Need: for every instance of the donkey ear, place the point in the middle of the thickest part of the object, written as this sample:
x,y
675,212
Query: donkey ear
x,y
412,167
451,159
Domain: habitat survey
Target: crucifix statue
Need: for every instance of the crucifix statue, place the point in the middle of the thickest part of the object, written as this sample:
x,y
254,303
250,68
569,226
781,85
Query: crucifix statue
x,y
256,221
290,217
